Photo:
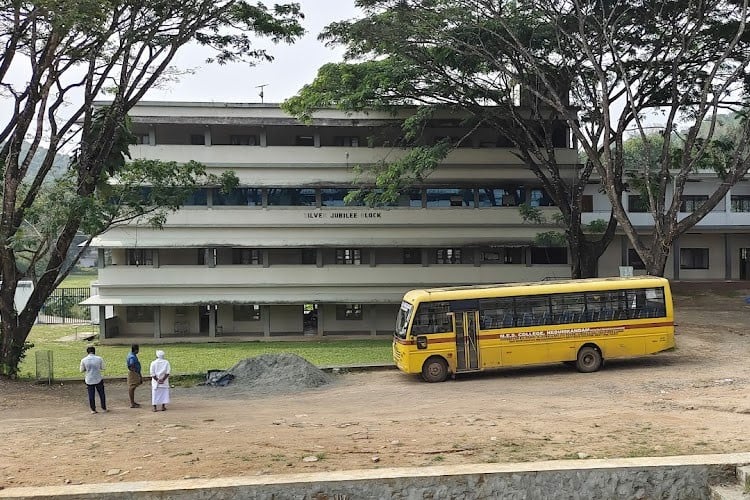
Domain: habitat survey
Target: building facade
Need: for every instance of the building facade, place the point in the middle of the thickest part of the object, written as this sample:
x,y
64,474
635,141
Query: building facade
x,y
285,255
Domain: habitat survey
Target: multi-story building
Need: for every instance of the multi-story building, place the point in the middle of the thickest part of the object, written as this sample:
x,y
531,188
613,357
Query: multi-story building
x,y
284,254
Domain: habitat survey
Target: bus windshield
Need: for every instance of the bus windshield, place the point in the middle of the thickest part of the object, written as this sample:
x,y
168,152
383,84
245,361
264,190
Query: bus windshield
x,y
402,320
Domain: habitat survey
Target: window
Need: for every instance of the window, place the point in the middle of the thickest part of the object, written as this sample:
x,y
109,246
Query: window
x,y
292,197
635,260
412,256
587,203
410,198
304,140
568,308
142,139
346,312
252,197
492,256
514,255
690,203
246,312
246,256
335,197
243,140
140,257
432,317
501,197
199,197
576,307
140,314
348,256
449,197
197,140
540,198
693,258
533,310
351,141
496,313
448,256
309,256
637,204
549,255
740,203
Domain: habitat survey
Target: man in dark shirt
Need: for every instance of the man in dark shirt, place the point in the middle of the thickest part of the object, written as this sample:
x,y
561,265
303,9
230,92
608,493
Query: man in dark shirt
x,y
134,374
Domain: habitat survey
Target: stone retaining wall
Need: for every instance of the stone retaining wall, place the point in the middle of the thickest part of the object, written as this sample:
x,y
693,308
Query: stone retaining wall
x,y
686,477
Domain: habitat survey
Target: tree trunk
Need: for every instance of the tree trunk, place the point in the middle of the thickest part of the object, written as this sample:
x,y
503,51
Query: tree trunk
x,y
658,262
585,262
12,348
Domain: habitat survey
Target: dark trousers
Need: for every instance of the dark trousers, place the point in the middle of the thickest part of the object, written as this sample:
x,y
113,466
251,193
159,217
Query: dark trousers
x,y
102,398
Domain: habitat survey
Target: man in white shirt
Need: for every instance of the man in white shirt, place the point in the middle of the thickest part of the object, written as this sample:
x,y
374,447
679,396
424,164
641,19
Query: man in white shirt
x,y
92,365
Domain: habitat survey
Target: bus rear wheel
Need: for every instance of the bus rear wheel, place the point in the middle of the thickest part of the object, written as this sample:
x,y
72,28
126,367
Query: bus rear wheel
x,y
435,370
589,359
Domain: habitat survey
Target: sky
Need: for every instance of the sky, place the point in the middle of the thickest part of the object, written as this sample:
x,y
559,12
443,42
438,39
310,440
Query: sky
x,y
293,65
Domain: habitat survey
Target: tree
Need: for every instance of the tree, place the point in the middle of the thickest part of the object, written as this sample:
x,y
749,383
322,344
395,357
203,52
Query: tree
x,y
447,54
620,65
67,54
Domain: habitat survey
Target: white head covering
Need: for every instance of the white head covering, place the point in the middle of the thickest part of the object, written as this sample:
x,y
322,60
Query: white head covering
x,y
160,366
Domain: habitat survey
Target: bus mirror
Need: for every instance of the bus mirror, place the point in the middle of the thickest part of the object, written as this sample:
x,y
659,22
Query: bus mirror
x,y
421,342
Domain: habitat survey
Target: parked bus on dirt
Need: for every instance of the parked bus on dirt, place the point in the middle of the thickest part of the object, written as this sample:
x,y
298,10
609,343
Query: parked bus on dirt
x,y
444,331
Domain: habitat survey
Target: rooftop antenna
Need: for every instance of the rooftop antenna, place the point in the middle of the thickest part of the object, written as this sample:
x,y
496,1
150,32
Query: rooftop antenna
x,y
261,91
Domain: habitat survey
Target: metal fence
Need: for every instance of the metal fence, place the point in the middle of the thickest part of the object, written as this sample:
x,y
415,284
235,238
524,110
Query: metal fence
x,y
63,306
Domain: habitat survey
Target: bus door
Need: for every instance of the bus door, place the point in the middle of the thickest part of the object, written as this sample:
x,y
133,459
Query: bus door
x,y
467,345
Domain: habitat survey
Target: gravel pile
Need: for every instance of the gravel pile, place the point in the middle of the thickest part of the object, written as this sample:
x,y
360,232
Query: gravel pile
x,y
277,373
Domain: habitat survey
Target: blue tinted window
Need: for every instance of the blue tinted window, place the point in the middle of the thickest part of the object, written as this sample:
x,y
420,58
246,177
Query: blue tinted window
x,y
501,197
291,197
540,198
450,197
334,197
239,197
197,198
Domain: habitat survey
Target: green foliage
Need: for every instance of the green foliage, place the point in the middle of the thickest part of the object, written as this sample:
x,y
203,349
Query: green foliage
x,y
75,52
19,351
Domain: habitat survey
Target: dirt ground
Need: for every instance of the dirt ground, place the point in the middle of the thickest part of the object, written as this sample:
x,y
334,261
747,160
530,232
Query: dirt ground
x,y
693,400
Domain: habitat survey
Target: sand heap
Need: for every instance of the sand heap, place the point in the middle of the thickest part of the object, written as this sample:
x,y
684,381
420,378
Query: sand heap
x,y
277,373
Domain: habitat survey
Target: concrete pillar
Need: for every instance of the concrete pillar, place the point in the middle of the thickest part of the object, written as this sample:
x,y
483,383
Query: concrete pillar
x,y
265,317
321,326
727,256
676,259
316,139
263,139
728,202
212,320
207,135
100,258
152,135
157,322
425,257
624,244
155,257
477,257
264,257
318,257
372,258
102,322
371,315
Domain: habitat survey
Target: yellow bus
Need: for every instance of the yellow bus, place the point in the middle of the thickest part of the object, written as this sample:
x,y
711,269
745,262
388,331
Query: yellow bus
x,y
444,331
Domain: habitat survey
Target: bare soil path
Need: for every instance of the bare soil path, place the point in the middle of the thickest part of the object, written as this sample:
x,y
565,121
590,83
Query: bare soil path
x,y
695,399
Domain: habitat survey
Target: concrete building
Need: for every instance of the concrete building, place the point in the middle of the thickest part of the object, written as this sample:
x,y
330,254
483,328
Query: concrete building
x,y
283,255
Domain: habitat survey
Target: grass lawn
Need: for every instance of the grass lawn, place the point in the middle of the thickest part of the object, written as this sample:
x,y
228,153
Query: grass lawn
x,y
79,279
192,358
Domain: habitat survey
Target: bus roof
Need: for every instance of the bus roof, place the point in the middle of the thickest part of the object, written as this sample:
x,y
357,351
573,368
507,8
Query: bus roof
x,y
530,288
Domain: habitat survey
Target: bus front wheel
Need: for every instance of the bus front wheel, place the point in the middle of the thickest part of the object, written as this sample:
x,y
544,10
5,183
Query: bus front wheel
x,y
435,370
589,359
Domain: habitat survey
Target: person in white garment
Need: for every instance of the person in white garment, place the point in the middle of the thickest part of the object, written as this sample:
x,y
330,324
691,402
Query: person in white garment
x,y
159,371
